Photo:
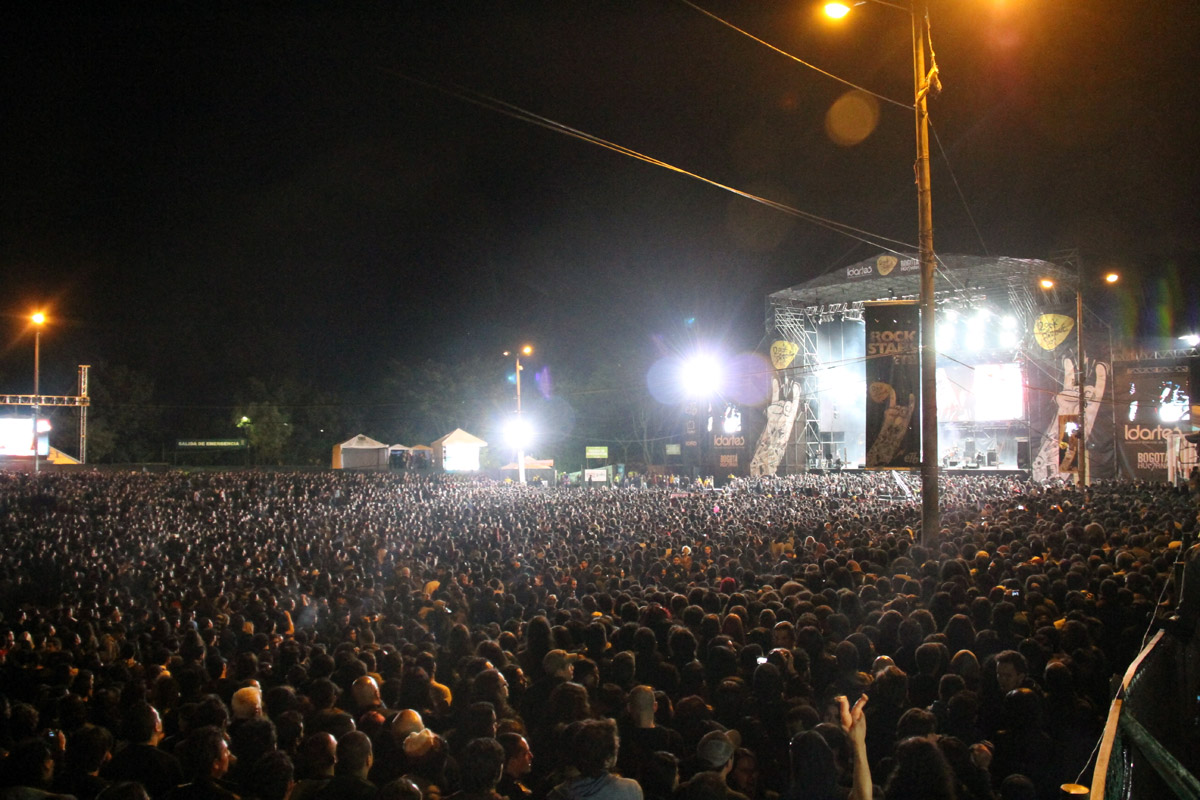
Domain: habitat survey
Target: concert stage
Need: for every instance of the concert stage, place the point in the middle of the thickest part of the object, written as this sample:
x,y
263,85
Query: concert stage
x,y
1006,350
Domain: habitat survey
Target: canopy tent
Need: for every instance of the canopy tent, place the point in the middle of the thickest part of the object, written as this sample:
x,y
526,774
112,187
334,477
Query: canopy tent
x,y
457,451
536,469
531,463
361,452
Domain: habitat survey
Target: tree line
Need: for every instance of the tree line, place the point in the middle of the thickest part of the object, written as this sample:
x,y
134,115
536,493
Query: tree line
x,y
292,422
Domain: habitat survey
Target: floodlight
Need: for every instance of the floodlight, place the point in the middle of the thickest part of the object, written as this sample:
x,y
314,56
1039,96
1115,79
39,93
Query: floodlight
x,y
519,432
700,376
1191,339
1009,322
836,10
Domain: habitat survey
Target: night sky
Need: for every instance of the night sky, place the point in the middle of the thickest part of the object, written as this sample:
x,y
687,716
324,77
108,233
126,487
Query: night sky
x,y
212,191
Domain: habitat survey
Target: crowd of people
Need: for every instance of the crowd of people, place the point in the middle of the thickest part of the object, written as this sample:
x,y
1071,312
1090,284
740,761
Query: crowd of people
x,y
365,635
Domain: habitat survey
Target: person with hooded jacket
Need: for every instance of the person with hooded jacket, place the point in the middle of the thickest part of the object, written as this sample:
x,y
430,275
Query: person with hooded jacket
x,y
593,744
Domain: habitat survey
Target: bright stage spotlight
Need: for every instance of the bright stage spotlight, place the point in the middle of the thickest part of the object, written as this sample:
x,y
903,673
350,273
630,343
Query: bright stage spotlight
x,y
1009,338
976,327
945,336
700,376
1008,322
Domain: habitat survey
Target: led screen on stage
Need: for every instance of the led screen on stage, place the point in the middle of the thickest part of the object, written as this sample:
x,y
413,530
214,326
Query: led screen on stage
x,y
16,436
984,393
998,393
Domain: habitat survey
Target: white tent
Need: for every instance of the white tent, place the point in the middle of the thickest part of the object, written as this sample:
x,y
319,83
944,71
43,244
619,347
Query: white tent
x,y
361,452
457,451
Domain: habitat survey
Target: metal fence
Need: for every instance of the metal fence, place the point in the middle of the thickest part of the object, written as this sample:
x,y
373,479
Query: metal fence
x,y
1151,744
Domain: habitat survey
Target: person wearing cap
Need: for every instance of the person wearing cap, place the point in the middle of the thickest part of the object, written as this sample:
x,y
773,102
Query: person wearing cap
x,y
714,757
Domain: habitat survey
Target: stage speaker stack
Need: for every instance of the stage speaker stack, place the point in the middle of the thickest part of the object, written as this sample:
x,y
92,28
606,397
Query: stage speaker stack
x,y
1023,461
993,458
969,448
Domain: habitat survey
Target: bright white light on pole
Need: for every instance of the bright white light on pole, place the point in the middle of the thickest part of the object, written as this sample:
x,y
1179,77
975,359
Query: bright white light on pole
x,y
700,376
1191,339
519,433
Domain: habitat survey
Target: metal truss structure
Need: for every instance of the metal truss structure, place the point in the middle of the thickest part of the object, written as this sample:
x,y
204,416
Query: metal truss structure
x,y
80,401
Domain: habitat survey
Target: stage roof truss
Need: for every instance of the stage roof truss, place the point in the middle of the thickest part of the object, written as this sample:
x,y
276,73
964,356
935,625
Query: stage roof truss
x,y
840,294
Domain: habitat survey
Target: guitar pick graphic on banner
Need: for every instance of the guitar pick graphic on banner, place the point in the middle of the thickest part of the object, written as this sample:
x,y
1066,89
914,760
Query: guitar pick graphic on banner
x,y
1051,330
782,353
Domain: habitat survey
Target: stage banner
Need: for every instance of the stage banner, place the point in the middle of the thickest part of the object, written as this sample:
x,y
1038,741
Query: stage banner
x,y
893,373
1051,378
1153,404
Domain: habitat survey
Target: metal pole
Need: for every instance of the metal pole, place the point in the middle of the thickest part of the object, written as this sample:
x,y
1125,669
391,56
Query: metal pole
x,y
37,352
520,447
930,512
1080,379
83,413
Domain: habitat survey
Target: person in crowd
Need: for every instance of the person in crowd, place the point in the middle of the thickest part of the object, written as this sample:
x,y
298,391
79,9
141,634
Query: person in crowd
x,y
480,769
349,781
593,744
518,763
141,759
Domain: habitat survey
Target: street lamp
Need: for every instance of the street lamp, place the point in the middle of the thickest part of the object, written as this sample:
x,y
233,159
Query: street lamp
x,y
521,437
39,319
923,82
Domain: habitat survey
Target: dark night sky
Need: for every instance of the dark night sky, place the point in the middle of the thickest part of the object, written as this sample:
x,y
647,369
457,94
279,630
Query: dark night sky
x,y
206,191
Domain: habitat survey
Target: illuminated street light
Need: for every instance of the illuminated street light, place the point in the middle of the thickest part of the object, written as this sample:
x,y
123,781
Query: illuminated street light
x,y
39,319
924,82
526,350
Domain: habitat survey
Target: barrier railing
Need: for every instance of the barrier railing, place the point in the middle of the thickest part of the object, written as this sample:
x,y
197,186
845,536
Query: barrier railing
x,y
1149,749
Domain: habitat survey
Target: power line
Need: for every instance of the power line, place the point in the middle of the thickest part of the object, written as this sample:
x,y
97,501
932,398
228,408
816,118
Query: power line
x,y
887,244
